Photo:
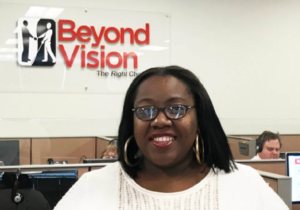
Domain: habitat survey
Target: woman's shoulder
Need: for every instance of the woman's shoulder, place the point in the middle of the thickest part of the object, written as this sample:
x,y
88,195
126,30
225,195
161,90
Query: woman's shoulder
x,y
242,175
103,180
243,183
98,187
105,172
244,169
240,170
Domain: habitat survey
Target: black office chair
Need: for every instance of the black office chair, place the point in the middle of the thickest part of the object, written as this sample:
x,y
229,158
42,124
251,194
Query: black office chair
x,y
18,194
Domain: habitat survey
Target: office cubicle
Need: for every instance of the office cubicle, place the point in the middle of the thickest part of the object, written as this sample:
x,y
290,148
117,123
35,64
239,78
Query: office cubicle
x,y
24,149
70,149
280,184
43,184
276,166
242,147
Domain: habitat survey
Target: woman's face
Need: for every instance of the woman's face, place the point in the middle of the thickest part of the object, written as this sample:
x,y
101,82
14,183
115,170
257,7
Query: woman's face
x,y
165,142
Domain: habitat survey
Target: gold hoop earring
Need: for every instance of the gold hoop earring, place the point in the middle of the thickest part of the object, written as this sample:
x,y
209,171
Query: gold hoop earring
x,y
197,149
125,154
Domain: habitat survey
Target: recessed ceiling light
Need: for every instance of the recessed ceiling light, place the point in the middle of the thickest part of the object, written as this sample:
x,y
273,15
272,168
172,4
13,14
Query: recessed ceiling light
x,y
53,12
8,50
10,56
11,41
154,48
139,53
35,11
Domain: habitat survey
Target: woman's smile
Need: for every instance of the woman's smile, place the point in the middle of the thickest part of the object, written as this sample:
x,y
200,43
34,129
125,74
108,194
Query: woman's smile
x,y
168,141
162,140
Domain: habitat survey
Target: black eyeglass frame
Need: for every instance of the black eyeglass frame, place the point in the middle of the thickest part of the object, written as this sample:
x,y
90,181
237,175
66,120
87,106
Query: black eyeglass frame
x,y
163,109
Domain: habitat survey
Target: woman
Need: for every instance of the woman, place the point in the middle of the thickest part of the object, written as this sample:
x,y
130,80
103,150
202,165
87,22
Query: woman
x,y
110,152
173,154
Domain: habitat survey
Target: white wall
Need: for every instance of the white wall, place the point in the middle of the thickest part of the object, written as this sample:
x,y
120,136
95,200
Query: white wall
x,y
246,53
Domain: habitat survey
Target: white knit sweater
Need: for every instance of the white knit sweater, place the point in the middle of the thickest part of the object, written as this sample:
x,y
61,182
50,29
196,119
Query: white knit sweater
x,y
203,195
111,188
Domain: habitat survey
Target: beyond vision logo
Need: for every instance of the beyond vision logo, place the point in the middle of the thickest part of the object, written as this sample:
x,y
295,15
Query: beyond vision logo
x,y
36,42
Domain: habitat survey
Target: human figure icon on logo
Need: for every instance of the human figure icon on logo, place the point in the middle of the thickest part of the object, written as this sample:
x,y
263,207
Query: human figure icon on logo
x,y
25,36
36,42
47,44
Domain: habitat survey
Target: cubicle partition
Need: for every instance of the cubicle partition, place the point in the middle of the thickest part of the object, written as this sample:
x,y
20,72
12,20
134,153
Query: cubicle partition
x,y
69,149
276,166
242,147
281,185
72,150
24,149
58,150
290,143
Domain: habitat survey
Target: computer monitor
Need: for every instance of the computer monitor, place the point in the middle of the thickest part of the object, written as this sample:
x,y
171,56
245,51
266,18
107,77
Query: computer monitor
x,y
10,152
293,170
112,160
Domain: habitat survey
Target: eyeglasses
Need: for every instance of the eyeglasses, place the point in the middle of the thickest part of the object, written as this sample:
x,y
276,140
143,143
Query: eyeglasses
x,y
172,112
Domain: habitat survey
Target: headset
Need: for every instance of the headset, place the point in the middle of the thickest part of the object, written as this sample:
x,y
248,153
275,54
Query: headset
x,y
265,136
16,196
50,161
260,141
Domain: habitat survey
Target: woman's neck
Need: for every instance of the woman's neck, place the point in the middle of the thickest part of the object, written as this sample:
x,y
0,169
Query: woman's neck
x,y
178,177
185,166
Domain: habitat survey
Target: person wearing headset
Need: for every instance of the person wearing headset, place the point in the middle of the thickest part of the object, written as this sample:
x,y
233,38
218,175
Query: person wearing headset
x,y
268,146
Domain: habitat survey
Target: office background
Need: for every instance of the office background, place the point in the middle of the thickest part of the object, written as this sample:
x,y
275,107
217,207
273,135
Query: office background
x,y
246,53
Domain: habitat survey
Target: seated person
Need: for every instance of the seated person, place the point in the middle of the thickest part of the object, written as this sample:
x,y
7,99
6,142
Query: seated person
x,y
268,146
110,152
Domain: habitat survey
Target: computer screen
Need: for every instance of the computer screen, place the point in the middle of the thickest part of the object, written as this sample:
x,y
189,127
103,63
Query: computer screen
x,y
112,160
10,152
293,170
